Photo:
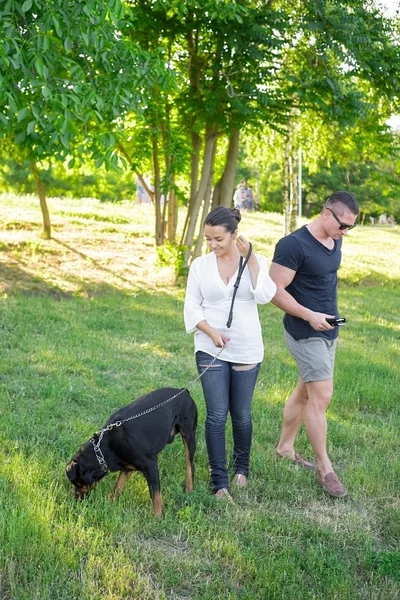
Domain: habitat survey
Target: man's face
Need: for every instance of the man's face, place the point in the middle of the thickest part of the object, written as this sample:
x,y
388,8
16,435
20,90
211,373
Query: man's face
x,y
339,221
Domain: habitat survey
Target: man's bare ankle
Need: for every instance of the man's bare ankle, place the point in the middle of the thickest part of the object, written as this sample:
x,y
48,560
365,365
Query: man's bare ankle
x,y
285,451
324,468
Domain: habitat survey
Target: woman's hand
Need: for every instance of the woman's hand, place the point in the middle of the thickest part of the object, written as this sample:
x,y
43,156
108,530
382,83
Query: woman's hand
x,y
219,339
242,245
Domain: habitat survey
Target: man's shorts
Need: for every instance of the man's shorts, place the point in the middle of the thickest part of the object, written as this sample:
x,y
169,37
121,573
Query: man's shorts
x,y
314,356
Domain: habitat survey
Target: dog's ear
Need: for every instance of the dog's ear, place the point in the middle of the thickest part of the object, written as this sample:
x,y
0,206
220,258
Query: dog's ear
x,y
72,470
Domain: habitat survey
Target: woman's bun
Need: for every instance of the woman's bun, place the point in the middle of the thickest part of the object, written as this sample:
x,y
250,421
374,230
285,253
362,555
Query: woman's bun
x,y
236,214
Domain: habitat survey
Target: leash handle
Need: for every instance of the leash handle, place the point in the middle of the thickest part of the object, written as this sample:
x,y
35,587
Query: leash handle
x,y
242,266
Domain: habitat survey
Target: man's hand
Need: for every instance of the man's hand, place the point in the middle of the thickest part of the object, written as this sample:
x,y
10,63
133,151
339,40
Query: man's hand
x,y
318,321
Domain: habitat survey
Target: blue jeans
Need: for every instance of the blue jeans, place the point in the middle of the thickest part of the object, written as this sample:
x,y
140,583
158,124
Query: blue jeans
x,y
227,389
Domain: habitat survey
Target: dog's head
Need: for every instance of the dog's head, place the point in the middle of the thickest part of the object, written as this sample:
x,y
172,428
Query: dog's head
x,y
84,471
81,481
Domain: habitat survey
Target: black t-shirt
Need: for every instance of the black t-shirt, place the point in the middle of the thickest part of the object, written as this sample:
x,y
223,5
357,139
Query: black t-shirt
x,y
315,283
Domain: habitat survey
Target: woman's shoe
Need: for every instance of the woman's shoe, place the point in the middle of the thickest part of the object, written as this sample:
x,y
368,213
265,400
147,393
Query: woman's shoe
x,y
223,494
239,480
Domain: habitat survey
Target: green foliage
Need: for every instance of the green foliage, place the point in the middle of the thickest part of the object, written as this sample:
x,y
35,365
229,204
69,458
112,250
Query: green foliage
x,y
173,255
79,182
364,160
67,73
375,186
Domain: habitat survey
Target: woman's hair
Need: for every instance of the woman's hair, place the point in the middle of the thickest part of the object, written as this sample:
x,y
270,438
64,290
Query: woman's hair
x,y
226,217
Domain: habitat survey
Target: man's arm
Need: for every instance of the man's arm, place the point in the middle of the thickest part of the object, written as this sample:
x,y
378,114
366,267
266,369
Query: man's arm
x,y
283,276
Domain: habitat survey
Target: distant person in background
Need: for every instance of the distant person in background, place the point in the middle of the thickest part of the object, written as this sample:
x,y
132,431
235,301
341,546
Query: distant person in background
x,y
141,194
249,201
304,268
239,196
139,191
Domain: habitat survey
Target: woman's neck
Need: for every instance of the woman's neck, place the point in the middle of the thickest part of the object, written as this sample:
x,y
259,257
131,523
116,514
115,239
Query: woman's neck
x,y
229,257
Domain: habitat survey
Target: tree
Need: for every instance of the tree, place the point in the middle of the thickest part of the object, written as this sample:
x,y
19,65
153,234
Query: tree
x,y
67,79
223,55
160,83
344,70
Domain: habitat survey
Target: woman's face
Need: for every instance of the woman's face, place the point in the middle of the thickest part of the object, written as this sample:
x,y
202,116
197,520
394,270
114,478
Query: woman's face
x,y
219,240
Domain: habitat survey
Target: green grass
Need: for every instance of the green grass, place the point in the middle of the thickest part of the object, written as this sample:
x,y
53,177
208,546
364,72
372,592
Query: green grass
x,y
89,322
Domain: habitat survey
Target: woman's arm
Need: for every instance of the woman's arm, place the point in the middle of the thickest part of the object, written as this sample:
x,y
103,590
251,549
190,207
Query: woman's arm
x,y
193,310
264,288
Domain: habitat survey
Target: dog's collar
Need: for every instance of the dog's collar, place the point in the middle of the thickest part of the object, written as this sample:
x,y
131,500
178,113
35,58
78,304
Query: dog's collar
x,y
99,455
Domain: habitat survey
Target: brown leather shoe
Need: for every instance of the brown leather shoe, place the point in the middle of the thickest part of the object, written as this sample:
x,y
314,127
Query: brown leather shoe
x,y
223,494
239,480
331,485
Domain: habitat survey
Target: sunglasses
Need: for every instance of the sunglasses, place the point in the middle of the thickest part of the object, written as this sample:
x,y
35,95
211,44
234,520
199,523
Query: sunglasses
x,y
342,226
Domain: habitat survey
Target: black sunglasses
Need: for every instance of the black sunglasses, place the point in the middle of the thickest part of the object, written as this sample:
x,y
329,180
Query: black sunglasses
x,y
342,226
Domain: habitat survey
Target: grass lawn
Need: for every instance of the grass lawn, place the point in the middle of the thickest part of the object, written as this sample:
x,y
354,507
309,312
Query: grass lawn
x,y
90,321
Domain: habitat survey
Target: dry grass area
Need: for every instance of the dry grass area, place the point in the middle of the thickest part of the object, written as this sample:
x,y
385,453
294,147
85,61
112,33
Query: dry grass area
x,y
92,247
98,246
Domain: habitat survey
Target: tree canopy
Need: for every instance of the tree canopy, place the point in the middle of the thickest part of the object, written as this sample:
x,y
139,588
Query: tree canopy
x,y
156,85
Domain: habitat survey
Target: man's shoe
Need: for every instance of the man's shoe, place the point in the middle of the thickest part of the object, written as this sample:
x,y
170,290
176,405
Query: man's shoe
x,y
331,485
223,494
239,481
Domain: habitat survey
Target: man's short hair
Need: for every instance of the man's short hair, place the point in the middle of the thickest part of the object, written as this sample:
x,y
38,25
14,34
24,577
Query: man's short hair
x,y
344,198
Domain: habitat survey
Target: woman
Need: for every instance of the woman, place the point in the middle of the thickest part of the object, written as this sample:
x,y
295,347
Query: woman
x,y
228,385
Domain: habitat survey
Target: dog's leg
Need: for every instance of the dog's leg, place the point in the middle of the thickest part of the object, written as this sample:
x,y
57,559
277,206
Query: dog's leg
x,y
190,446
187,428
122,479
153,481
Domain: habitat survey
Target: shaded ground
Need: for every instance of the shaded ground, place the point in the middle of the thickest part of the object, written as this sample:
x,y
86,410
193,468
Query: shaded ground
x,y
89,250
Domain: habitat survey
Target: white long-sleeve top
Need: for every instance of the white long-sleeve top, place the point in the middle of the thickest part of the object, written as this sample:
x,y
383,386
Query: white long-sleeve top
x,y
209,298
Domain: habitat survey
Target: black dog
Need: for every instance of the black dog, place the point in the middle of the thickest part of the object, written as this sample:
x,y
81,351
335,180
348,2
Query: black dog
x,y
134,445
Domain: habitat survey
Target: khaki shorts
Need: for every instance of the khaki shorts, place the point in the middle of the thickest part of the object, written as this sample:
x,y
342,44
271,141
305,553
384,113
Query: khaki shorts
x,y
314,356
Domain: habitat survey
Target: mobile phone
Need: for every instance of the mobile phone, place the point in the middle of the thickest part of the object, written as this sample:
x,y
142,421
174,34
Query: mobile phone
x,y
336,321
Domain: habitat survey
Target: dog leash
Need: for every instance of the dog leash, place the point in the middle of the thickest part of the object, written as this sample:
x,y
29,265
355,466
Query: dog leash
x,y
96,445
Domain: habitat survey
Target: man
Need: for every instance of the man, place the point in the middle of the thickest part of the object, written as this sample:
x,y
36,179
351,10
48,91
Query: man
x,y
304,268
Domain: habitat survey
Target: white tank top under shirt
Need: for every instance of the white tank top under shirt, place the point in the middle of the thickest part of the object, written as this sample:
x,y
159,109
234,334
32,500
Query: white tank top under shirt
x,y
209,298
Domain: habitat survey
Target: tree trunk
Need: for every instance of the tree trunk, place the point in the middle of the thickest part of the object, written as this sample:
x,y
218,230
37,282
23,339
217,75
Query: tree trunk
x,y
294,189
194,176
159,230
172,216
195,159
206,207
43,204
223,191
170,213
285,184
195,203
